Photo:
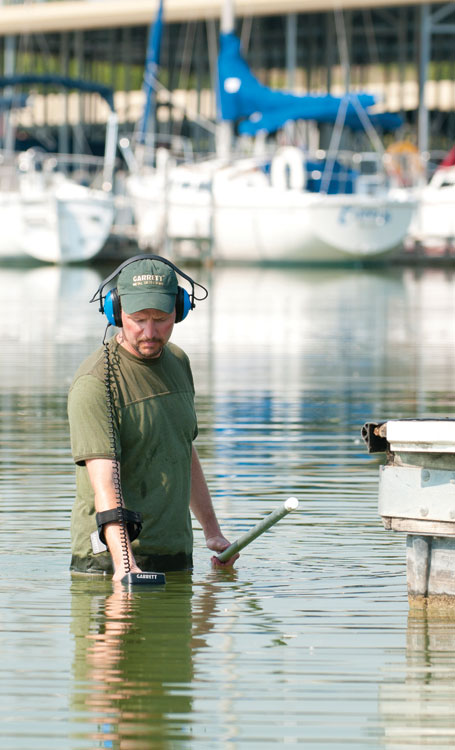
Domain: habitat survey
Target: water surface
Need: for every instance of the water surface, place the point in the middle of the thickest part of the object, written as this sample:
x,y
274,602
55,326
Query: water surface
x,y
309,642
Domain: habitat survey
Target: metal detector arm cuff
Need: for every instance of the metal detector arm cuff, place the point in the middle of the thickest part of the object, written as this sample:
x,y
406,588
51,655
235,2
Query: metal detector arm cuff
x,y
130,518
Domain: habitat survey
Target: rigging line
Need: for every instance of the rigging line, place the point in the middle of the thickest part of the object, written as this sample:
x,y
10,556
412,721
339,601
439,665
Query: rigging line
x,y
43,46
26,44
79,132
362,115
245,34
342,45
368,127
185,66
212,43
23,47
335,139
371,37
186,55
204,122
334,144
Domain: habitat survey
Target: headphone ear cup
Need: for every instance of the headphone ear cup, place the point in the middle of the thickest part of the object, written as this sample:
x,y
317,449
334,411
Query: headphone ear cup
x,y
113,308
182,304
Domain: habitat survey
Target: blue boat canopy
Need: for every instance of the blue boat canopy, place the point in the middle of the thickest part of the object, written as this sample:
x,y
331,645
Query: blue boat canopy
x,y
15,101
243,99
25,79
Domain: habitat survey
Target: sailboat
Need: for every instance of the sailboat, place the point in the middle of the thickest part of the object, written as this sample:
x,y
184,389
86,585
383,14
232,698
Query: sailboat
x,y
433,225
51,207
291,207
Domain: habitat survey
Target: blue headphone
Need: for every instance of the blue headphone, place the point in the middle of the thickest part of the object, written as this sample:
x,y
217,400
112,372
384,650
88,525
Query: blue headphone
x,y
110,304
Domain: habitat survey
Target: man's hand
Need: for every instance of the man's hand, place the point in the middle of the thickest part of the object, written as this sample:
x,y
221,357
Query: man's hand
x,y
218,544
202,507
120,572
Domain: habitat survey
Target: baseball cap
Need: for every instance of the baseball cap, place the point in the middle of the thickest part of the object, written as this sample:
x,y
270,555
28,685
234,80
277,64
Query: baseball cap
x,y
147,284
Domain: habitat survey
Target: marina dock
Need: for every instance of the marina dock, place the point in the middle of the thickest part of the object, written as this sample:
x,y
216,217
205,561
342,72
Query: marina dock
x,y
364,50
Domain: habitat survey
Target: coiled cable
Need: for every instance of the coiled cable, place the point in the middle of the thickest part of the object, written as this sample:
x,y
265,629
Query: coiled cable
x,y
115,461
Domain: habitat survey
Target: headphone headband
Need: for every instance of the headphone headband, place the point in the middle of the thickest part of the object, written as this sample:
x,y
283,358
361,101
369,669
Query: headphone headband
x,y
99,297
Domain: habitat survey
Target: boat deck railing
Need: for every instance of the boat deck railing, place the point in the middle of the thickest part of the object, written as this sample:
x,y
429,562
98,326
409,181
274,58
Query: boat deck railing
x,y
84,169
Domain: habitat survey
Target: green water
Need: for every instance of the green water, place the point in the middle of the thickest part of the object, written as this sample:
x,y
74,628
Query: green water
x,y
309,642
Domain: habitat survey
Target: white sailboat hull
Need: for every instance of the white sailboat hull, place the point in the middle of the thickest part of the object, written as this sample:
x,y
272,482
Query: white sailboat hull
x,y
309,227
434,220
51,208
69,225
263,223
67,228
11,222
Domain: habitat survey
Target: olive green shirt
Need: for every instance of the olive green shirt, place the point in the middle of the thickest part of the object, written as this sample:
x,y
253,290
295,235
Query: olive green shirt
x,y
150,430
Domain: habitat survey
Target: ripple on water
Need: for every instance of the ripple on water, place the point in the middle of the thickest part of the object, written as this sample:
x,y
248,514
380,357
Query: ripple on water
x,y
310,640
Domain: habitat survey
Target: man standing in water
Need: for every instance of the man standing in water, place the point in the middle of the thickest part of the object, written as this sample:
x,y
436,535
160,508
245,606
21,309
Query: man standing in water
x,y
132,442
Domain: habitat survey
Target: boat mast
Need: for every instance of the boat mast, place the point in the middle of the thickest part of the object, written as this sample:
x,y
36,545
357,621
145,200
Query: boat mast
x,y
9,63
224,128
143,136
424,58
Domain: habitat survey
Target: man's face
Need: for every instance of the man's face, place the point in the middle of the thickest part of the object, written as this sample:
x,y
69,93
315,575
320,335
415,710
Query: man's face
x,y
146,332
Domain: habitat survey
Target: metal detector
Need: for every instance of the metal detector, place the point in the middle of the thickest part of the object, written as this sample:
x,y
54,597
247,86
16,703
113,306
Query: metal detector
x,y
144,578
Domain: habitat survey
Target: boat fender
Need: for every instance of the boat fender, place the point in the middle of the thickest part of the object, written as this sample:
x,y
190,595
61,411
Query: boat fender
x,y
404,164
164,160
287,170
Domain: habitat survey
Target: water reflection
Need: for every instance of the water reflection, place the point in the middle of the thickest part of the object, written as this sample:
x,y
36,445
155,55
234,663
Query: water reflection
x,y
418,710
138,666
133,661
47,319
288,364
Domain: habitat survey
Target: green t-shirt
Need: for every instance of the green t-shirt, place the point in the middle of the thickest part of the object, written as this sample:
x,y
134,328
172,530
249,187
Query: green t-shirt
x,y
153,425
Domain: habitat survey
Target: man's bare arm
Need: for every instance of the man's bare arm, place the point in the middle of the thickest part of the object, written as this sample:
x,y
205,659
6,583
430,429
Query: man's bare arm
x,y
202,507
101,473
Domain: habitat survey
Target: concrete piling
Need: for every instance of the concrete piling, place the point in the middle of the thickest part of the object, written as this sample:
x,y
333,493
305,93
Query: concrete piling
x,y
417,497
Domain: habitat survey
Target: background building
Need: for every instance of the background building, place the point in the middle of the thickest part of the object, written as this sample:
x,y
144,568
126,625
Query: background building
x,y
402,52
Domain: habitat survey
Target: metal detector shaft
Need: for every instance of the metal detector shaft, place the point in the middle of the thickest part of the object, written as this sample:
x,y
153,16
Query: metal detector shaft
x,y
290,504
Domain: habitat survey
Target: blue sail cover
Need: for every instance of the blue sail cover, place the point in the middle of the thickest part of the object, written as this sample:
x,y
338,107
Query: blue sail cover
x,y
272,120
259,108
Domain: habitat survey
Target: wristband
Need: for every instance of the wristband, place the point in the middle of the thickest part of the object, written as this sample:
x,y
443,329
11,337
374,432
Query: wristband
x,y
130,518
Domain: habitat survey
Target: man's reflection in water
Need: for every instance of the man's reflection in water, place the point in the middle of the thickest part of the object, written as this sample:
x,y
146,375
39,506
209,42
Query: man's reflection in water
x,y
419,710
133,666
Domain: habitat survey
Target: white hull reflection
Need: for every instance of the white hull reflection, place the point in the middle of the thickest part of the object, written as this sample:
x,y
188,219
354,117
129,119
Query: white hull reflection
x,y
247,219
267,320
48,321
271,320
